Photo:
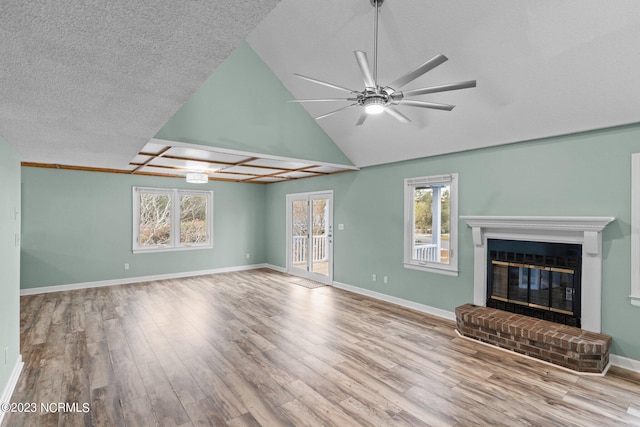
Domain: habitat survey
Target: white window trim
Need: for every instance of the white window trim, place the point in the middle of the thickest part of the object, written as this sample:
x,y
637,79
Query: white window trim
x,y
450,269
175,244
635,229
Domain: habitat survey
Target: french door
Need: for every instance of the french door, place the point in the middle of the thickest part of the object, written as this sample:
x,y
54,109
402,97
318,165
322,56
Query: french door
x,y
310,235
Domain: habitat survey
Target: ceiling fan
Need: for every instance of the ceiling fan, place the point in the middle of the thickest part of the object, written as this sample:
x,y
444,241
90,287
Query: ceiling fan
x,y
376,99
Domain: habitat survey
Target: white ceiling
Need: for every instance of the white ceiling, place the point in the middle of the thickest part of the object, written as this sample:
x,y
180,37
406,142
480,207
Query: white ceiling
x,y
91,83
543,68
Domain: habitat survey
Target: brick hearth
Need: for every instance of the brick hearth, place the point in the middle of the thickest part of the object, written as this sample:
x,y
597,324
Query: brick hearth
x,y
563,345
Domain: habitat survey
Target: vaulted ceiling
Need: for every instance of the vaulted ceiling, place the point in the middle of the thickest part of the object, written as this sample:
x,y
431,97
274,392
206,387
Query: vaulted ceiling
x,y
543,68
90,84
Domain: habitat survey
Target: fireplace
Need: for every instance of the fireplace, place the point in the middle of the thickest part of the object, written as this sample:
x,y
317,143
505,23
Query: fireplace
x,y
536,279
543,267
583,231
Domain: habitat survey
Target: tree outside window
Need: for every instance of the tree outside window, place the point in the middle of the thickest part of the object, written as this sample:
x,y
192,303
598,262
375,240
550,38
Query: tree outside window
x,y
170,219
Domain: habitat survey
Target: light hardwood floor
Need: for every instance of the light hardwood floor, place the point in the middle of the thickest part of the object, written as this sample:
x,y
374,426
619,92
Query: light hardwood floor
x,y
250,348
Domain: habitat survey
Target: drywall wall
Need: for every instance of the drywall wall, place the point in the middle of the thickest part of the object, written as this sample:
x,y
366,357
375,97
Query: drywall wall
x,y
9,264
586,174
78,228
243,106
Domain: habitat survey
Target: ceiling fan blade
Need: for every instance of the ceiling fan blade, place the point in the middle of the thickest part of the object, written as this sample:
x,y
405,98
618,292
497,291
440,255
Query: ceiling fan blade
x,y
441,88
362,118
323,100
363,62
417,72
335,111
397,115
423,104
320,82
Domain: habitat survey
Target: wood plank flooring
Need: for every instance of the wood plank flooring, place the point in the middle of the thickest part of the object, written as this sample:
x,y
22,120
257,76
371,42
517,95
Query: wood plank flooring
x,y
250,349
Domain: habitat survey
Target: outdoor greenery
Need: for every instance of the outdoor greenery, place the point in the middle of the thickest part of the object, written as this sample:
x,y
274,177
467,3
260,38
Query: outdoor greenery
x,y
423,198
155,219
300,218
193,219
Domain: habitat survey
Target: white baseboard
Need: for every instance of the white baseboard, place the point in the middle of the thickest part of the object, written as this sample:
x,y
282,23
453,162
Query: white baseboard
x,y
276,268
11,384
614,360
139,279
398,301
625,363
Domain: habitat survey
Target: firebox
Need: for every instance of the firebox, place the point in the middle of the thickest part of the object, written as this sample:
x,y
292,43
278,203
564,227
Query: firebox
x,y
537,279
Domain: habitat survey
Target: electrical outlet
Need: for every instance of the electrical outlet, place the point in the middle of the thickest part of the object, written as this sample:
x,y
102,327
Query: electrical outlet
x,y
248,255
126,266
385,279
374,278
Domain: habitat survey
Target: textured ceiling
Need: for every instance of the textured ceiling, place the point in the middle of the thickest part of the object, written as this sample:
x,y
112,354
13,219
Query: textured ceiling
x,y
90,83
543,68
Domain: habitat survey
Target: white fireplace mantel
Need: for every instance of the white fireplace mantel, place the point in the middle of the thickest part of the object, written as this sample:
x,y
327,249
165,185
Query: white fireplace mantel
x,y
586,231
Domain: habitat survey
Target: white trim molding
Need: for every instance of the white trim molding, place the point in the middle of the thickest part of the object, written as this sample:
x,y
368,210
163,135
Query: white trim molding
x,y
449,315
614,359
139,279
435,183
11,384
310,197
635,230
586,231
625,363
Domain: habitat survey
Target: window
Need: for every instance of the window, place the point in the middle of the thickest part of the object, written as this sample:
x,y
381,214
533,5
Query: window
x,y
171,219
431,223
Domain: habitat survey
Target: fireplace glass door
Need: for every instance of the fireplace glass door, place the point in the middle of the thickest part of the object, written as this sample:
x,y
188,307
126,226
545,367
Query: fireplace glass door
x,y
536,279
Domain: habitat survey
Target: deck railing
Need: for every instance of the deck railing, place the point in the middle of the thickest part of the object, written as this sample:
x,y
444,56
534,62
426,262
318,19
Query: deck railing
x,y
426,252
300,245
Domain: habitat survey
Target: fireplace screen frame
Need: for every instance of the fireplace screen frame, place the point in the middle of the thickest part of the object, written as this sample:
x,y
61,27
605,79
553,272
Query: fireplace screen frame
x,y
536,279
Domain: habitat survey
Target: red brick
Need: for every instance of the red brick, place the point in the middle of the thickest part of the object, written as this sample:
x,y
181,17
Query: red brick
x,y
531,350
560,344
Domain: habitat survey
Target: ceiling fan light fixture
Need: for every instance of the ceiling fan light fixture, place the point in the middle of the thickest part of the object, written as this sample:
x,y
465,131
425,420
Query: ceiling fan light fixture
x,y
375,98
197,178
374,105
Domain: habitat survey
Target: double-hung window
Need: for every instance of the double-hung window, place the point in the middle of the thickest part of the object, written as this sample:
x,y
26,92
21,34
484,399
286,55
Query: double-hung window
x,y
431,223
170,219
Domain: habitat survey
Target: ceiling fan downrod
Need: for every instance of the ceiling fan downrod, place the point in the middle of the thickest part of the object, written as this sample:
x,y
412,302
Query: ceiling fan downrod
x,y
375,99
376,4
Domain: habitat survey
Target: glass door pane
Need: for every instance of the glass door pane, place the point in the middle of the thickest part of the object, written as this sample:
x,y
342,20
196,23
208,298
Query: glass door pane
x,y
320,236
300,234
310,235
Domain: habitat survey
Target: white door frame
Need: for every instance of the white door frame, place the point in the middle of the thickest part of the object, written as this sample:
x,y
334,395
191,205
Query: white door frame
x,y
309,196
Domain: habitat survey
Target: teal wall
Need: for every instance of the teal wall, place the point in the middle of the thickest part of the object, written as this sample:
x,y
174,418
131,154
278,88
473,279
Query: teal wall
x,y
77,228
243,106
9,261
585,174
77,225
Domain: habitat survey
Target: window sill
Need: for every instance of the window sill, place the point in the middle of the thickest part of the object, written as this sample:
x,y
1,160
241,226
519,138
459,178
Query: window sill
x,y
448,271
159,249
